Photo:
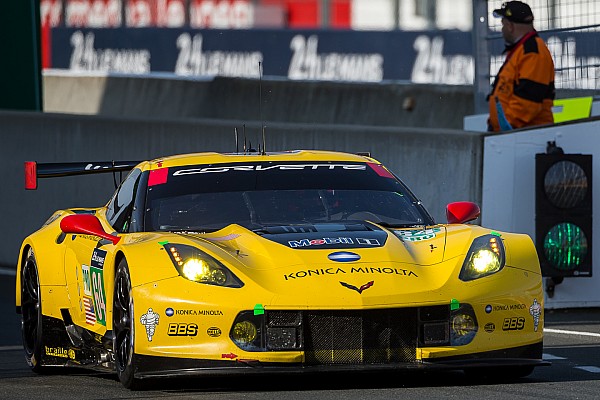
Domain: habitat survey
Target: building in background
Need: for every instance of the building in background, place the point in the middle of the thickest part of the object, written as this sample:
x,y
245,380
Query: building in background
x,y
247,14
306,14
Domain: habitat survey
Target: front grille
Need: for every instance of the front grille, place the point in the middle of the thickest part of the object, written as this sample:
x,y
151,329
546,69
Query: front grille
x,y
355,337
360,336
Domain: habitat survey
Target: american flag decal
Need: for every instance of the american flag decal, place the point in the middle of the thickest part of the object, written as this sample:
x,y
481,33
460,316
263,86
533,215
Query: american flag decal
x,y
90,315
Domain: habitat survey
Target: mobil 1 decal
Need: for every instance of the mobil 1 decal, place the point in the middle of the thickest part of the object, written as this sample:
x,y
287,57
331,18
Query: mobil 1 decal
x,y
93,287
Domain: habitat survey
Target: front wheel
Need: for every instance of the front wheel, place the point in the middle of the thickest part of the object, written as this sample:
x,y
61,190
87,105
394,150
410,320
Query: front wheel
x,y
123,327
31,313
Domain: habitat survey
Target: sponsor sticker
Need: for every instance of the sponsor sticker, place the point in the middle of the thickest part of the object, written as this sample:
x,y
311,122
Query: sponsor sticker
x,y
513,324
354,270
59,352
149,320
93,287
182,329
213,331
536,311
504,307
320,241
173,311
417,235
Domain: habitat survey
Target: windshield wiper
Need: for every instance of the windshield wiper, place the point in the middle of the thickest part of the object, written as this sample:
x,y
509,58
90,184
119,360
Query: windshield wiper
x,y
193,229
405,225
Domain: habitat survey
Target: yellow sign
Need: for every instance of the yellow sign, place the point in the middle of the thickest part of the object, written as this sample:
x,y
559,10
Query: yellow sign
x,y
572,109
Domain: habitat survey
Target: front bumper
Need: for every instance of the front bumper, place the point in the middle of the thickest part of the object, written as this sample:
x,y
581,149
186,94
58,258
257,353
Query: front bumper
x,y
158,367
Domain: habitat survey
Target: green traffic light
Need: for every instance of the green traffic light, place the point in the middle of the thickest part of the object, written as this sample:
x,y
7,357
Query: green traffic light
x,y
565,246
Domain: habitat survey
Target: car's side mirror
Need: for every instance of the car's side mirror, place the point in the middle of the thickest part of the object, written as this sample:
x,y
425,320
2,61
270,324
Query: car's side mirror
x,y
462,211
86,224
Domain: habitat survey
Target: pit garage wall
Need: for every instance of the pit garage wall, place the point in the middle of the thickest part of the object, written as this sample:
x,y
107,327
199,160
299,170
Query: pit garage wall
x,y
508,194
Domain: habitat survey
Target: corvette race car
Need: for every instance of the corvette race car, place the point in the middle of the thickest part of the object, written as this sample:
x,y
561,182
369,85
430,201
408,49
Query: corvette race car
x,y
273,262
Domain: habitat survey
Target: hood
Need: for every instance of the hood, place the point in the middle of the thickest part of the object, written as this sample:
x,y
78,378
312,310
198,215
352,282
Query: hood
x,y
333,265
296,245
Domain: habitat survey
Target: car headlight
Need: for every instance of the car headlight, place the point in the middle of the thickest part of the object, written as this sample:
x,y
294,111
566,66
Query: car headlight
x,y
485,257
247,331
463,325
197,266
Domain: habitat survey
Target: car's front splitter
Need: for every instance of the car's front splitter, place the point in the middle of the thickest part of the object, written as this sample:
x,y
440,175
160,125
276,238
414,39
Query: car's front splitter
x,y
157,367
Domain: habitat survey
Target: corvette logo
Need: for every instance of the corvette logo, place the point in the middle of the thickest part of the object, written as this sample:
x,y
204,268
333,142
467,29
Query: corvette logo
x,y
360,289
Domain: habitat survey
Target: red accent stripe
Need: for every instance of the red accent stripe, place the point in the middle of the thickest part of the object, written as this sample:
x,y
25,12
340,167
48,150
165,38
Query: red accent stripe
x,y
158,176
380,169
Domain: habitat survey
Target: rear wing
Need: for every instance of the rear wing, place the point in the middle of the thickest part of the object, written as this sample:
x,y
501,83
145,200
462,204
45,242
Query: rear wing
x,y
33,170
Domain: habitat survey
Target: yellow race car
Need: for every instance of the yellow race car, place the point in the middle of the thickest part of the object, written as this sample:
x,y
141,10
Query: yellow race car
x,y
273,262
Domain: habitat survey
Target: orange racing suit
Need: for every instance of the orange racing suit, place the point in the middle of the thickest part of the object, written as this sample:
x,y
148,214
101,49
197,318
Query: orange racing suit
x,y
524,85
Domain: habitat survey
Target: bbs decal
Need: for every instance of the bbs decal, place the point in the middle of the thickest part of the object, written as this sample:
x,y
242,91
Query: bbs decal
x,y
513,324
182,329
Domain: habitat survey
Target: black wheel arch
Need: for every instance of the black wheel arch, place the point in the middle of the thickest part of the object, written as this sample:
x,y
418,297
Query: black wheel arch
x,y
19,283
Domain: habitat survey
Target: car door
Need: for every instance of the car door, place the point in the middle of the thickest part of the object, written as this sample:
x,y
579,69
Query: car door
x,y
90,261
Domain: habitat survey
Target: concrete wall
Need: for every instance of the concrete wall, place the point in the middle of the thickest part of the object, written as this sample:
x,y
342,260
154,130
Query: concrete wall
x,y
380,104
439,165
392,104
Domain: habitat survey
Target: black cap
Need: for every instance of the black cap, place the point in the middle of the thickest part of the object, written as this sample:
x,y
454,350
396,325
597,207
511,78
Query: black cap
x,y
515,11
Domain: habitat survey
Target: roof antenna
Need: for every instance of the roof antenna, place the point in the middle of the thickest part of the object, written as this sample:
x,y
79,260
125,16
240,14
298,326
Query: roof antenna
x,y
244,131
264,143
236,140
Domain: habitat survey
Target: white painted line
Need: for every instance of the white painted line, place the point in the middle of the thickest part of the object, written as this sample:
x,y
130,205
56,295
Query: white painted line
x,y
551,357
578,333
589,368
8,271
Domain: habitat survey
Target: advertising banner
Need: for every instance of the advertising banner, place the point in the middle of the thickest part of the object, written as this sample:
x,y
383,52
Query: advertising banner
x,y
427,57
437,57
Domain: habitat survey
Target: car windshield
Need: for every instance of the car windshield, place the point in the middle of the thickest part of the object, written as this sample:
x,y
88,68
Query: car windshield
x,y
258,195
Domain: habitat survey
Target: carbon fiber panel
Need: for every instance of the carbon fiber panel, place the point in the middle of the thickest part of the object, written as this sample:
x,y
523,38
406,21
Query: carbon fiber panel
x,y
360,337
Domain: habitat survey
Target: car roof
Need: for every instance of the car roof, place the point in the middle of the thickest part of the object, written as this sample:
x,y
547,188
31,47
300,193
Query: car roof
x,y
227,158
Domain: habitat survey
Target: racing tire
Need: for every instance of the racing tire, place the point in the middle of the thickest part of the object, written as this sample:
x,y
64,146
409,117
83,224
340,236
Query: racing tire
x,y
123,328
31,314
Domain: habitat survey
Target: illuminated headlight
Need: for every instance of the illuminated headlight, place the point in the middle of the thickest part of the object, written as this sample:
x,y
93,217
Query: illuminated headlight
x,y
485,257
197,266
463,325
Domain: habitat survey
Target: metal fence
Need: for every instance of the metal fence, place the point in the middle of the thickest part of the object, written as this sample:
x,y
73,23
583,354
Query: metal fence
x,y
571,28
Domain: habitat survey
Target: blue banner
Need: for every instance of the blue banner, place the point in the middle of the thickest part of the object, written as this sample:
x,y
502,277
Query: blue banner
x,y
441,57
